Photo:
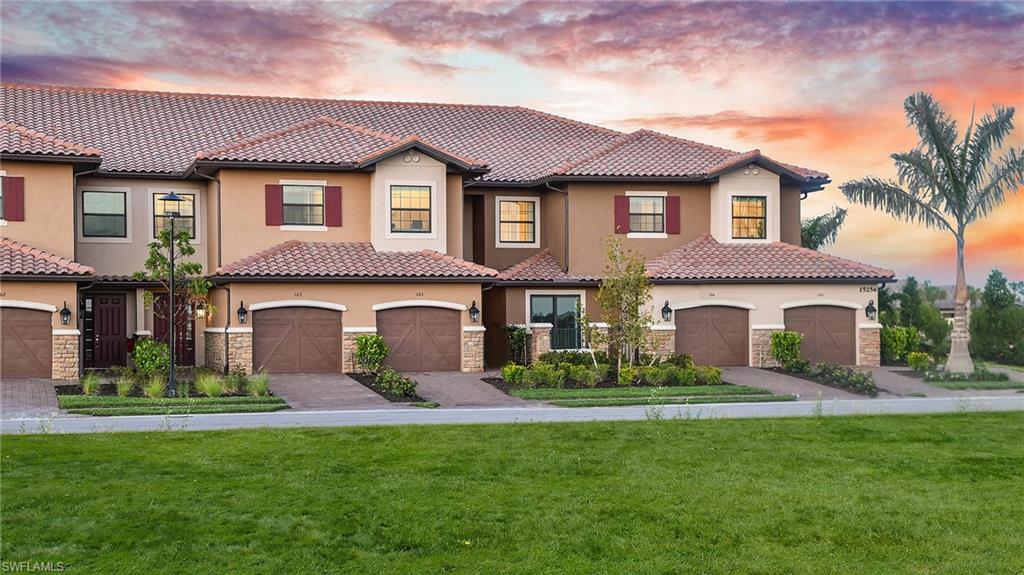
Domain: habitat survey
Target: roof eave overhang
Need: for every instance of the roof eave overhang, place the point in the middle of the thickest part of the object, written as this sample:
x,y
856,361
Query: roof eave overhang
x,y
225,279
547,283
47,278
851,280
81,163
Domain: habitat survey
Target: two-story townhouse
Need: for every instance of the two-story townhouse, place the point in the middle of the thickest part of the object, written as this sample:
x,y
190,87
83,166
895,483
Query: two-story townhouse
x,y
434,225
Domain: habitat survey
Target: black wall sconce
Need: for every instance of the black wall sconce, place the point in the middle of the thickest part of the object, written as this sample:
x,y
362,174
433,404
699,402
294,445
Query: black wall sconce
x,y
242,312
871,310
666,312
474,312
65,315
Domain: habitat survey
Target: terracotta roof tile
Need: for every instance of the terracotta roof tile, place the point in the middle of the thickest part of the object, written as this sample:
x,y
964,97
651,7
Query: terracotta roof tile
x,y
17,258
17,139
704,258
350,260
540,267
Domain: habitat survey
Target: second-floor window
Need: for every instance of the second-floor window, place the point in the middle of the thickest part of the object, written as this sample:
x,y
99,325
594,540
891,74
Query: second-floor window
x,y
303,205
647,214
186,219
517,221
410,209
104,214
749,217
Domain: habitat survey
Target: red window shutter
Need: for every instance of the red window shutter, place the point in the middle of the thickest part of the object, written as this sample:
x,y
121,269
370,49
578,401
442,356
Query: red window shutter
x,y
275,204
14,198
672,215
621,214
332,206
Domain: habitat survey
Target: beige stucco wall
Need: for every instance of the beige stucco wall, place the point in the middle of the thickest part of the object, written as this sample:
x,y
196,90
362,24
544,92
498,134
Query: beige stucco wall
x,y
125,256
48,293
758,182
425,171
454,215
244,219
49,213
502,257
789,214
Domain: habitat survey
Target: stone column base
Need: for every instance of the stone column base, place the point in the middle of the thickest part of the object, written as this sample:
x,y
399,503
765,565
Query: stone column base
x,y
348,347
473,349
761,346
538,341
240,351
214,346
64,364
869,346
661,341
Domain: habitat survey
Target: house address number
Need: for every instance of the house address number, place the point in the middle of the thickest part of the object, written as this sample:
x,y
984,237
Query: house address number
x,y
868,288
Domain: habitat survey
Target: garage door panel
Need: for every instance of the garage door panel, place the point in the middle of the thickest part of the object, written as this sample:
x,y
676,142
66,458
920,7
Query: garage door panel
x,y
422,338
297,340
715,335
829,333
26,349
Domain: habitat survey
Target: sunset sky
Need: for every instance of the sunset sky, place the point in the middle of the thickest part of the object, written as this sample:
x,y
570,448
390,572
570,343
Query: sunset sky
x,y
815,84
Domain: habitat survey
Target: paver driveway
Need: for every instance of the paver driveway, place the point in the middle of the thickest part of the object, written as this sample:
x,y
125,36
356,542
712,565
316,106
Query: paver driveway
x,y
456,389
325,391
28,398
780,383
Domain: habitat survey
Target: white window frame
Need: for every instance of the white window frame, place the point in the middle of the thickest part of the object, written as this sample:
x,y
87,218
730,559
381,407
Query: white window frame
x,y
664,215
197,199
297,227
536,222
434,207
127,191
767,217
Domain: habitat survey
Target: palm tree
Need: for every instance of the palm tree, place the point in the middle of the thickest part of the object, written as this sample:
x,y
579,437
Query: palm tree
x,y
948,183
821,230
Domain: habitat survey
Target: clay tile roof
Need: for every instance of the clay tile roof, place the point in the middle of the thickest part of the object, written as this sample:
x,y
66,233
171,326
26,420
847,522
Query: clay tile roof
x,y
704,258
162,132
350,260
17,258
17,139
540,267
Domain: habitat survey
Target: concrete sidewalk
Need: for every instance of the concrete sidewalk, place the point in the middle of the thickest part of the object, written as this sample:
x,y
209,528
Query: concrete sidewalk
x,y
283,419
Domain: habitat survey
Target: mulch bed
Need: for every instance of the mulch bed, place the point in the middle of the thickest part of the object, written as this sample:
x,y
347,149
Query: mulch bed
x,y
111,389
807,377
506,388
370,382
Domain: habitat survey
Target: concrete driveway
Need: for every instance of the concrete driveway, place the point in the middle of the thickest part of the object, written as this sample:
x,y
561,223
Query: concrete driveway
x,y
28,398
456,389
325,391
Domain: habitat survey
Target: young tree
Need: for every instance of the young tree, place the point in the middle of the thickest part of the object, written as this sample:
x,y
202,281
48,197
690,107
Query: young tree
x,y
189,283
997,326
624,294
948,183
819,231
918,312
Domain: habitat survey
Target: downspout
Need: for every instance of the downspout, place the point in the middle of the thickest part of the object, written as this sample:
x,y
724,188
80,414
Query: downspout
x,y
565,225
227,325
219,234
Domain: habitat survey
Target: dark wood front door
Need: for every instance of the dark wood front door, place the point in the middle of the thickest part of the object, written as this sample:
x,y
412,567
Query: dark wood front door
x,y
26,343
296,340
184,330
422,338
713,335
108,327
830,334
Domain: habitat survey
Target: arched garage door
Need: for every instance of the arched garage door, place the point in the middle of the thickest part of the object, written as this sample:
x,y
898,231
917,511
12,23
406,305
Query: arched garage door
x,y
713,335
26,343
422,338
296,340
830,334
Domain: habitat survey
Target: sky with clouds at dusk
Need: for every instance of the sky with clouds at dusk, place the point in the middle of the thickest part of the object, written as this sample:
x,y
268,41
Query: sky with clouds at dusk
x,y
816,84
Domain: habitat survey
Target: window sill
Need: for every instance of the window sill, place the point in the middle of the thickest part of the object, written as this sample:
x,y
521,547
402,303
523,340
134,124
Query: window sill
x,y
295,228
103,240
522,246
647,236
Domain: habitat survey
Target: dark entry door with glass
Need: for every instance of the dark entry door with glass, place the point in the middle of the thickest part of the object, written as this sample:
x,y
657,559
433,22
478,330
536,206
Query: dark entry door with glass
x,y
105,326
561,312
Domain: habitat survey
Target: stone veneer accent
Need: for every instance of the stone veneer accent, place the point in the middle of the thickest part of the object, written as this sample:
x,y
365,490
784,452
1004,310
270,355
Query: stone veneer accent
x,y
661,343
239,350
65,356
870,346
761,347
214,345
472,350
348,349
538,341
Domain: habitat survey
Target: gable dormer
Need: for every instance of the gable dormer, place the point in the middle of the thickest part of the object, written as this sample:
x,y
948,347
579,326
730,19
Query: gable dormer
x,y
745,206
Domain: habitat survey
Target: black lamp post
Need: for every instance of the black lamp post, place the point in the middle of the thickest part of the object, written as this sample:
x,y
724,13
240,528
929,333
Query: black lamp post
x,y
175,200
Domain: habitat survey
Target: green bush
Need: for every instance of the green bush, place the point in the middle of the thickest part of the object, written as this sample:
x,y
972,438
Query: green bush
x,y
979,374
898,341
543,375
258,385
512,373
920,361
847,378
681,360
151,356
90,383
627,376
155,386
708,375
602,370
583,375
655,375
785,348
209,384
393,383
124,385
515,340
686,376
371,352
573,357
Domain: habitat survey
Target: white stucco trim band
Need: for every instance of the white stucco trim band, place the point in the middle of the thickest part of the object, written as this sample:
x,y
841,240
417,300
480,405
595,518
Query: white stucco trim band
x,y
297,303
869,325
419,303
66,332
715,302
229,330
474,328
768,326
821,301
359,330
541,325
27,305
146,332
663,327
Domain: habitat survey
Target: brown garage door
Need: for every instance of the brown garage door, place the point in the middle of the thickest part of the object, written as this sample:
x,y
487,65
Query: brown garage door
x,y
25,349
713,335
422,338
296,340
829,333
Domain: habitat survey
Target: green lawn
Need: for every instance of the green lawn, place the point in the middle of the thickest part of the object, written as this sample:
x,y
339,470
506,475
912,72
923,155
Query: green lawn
x,y
645,392
613,402
1004,366
883,494
1010,384
106,405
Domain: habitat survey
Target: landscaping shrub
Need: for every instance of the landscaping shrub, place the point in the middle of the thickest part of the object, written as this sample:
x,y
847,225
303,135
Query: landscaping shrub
x,y
512,373
979,374
583,375
785,348
90,383
258,385
543,375
897,341
393,383
155,386
124,385
708,375
515,339
371,352
685,376
209,385
846,378
601,371
627,376
573,357
920,361
655,375
151,356
681,360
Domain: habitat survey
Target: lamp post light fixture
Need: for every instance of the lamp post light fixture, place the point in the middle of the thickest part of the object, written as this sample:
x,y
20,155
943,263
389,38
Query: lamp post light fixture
x,y
871,311
474,312
175,201
65,315
242,312
666,312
